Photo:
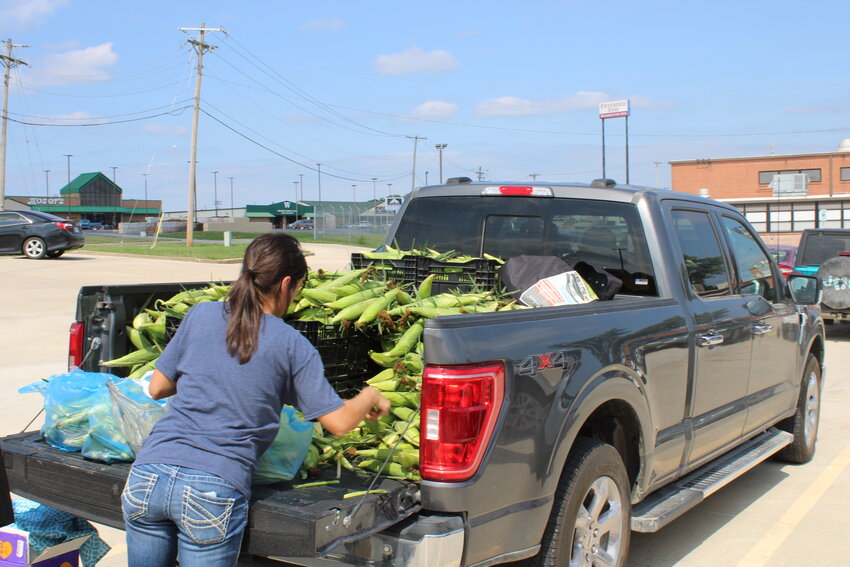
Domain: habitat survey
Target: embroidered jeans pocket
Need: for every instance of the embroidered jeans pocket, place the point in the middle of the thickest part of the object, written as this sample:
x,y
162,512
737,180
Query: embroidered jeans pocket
x,y
205,517
137,493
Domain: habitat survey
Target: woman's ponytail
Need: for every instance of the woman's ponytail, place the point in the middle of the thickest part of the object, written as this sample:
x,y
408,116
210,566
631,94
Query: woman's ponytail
x,y
268,259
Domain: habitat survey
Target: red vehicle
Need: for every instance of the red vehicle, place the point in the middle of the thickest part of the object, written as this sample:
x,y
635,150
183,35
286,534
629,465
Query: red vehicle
x,y
784,255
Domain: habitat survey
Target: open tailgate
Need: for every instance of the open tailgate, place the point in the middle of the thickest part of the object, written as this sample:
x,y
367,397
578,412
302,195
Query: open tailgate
x,y
284,521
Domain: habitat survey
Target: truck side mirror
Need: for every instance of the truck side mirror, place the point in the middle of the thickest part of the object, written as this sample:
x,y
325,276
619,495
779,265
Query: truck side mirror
x,y
805,290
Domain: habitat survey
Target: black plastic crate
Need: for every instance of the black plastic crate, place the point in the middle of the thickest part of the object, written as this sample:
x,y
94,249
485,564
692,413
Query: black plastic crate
x,y
344,352
400,270
458,275
412,269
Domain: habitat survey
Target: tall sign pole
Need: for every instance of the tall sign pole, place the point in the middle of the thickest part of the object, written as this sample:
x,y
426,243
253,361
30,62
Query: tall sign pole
x,y
615,109
8,62
200,48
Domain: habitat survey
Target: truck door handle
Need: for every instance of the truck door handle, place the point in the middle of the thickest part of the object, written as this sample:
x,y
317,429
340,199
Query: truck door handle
x,y
709,340
760,329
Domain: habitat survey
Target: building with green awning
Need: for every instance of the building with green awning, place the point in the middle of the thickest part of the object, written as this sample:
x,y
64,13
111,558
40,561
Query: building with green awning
x,y
95,197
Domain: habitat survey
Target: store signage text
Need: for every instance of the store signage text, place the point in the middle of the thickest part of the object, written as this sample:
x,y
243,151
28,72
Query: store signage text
x,y
46,201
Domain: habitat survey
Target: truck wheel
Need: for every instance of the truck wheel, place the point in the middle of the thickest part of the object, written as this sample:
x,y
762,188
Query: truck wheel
x,y
804,424
590,520
34,248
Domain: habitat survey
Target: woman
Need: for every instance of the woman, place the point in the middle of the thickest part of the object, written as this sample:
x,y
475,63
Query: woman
x,y
230,367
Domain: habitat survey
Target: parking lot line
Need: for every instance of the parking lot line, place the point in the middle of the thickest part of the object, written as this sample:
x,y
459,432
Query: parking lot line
x,y
761,554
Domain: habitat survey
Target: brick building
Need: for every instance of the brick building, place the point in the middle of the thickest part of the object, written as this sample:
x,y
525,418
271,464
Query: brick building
x,y
781,195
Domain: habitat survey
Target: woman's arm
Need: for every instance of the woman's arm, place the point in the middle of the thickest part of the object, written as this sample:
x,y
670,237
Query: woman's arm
x,y
162,386
368,404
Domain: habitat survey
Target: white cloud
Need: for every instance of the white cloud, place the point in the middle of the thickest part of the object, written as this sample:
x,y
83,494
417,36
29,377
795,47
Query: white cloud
x,y
329,25
81,65
25,12
164,130
75,118
414,60
582,100
434,109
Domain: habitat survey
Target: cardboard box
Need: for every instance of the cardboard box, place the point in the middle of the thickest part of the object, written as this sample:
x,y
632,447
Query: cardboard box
x,y
15,551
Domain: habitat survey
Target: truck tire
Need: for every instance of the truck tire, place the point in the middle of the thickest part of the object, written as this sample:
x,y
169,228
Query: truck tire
x,y
590,522
804,424
834,275
34,248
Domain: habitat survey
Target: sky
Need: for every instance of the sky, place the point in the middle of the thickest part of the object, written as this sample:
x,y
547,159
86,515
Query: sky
x,y
511,88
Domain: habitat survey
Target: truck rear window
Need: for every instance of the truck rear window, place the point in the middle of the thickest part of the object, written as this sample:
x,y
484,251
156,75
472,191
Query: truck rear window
x,y
604,234
819,247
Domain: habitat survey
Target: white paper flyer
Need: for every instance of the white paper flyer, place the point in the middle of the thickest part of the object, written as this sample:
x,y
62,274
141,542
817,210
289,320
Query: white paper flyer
x,y
563,289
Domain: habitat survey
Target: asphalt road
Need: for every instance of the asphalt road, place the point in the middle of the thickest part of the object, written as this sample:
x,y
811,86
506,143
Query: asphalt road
x,y
777,515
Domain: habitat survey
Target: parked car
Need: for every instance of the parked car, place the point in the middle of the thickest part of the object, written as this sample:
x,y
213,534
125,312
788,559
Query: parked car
x,y
362,225
825,252
36,235
301,224
785,256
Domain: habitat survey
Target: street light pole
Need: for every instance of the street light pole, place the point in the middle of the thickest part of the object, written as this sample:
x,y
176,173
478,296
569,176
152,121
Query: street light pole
x,y
231,197
113,173
301,185
440,148
215,192
146,190
319,170
374,188
69,156
46,183
354,191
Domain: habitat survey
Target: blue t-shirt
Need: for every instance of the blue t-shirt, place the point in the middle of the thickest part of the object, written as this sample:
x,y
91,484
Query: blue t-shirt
x,y
225,414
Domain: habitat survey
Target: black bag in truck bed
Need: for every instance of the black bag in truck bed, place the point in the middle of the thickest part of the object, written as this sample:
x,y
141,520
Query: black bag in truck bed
x,y
284,521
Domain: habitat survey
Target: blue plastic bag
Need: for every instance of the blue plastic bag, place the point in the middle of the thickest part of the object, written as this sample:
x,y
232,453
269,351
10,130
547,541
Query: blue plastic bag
x,y
79,414
284,456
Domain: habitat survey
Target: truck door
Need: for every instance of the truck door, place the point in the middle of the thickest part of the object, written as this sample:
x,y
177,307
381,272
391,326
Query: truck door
x,y
721,337
774,372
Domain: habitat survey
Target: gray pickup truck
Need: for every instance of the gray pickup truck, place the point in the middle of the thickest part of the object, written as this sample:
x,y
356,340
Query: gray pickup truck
x,y
578,424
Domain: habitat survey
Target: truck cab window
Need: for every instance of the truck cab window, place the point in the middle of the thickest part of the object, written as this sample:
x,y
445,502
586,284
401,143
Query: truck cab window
x,y
702,253
752,263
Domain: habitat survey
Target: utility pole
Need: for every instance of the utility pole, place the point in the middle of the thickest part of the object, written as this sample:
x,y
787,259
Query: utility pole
x,y
480,173
215,192
8,62
657,163
533,176
200,48
231,197
440,148
46,183
413,176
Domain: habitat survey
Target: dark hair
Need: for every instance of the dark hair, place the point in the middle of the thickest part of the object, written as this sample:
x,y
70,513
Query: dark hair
x,y
268,259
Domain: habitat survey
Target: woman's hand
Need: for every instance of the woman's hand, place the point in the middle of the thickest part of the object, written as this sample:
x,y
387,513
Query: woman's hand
x,y
380,404
368,404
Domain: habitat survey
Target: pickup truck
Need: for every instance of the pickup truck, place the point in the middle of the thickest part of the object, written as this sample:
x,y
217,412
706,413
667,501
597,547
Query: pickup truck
x,y
578,423
825,252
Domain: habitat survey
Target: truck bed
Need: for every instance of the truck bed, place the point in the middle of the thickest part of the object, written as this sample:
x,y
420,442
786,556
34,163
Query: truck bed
x,y
284,521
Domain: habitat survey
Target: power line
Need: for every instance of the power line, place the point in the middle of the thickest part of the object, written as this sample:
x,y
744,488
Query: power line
x,y
175,112
275,75
101,117
287,158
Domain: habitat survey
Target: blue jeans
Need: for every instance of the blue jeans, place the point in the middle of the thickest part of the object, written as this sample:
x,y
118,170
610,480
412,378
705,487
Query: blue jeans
x,y
173,512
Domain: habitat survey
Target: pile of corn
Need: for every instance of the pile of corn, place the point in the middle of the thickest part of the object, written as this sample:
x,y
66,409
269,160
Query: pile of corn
x,y
362,299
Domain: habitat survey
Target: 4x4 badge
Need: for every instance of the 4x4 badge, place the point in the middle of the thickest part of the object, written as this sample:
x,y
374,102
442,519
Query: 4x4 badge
x,y
536,362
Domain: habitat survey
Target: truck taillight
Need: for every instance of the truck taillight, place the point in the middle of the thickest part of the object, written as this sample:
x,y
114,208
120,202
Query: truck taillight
x,y
75,344
460,406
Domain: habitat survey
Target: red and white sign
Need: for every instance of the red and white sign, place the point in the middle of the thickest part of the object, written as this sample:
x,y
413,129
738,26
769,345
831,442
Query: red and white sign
x,y
393,203
614,109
